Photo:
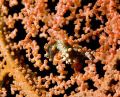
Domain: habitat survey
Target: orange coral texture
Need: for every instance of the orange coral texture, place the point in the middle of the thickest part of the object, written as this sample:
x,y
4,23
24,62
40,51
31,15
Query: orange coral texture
x,y
60,48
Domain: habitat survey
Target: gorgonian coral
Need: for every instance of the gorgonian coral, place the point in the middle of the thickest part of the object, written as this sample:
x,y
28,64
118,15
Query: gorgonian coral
x,y
59,47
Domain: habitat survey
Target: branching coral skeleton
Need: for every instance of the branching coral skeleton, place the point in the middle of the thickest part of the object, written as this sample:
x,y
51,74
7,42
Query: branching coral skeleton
x,y
12,67
85,21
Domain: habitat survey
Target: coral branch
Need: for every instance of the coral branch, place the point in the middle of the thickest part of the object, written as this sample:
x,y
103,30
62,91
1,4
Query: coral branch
x,y
106,84
81,39
13,68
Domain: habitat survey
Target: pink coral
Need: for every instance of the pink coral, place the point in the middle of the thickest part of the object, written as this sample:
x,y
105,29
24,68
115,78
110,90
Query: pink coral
x,y
72,43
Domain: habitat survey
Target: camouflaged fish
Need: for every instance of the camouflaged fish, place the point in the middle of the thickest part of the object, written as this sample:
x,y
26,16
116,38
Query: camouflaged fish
x,y
69,54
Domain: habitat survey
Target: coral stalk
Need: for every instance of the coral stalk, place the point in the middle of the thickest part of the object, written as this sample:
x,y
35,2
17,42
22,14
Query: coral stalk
x,y
12,67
